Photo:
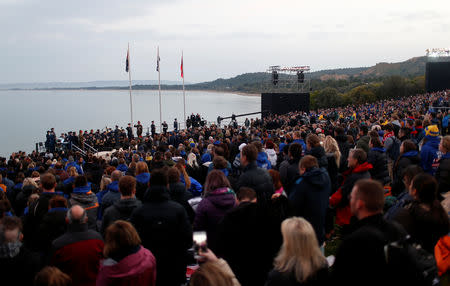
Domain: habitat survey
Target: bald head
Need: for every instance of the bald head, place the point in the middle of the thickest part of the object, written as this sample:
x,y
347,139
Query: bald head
x,y
116,175
76,214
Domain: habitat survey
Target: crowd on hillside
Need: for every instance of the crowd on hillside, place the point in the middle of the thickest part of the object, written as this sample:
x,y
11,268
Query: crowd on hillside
x,y
271,196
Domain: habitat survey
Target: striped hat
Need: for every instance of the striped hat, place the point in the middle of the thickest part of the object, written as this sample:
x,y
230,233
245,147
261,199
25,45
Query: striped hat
x,y
432,130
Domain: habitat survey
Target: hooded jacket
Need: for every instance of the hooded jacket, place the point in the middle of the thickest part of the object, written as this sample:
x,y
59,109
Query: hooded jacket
x,y
142,184
84,197
121,209
443,174
179,194
428,153
136,269
378,158
165,230
405,160
111,196
310,199
211,211
340,199
262,161
257,179
320,155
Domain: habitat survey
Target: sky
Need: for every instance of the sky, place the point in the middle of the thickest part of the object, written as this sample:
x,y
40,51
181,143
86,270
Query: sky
x,y
86,40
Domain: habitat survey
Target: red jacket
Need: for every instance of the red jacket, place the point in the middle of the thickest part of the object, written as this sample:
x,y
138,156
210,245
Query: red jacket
x,y
135,269
340,199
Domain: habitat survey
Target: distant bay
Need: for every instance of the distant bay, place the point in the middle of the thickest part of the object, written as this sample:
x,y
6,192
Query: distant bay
x,y
26,115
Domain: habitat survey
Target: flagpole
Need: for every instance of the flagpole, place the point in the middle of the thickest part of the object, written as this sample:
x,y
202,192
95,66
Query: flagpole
x,y
129,77
159,88
184,95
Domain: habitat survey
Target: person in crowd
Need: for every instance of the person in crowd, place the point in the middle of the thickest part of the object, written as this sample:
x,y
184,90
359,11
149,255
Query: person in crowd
x,y
344,147
63,175
408,156
311,194
178,192
443,170
253,176
142,179
277,185
358,169
262,160
403,198
113,194
334,158
53,223
78,252
191,184
428,153
363,141
218,199
289,168
164,228
360,257
82,195
378,158
314,148
122,209
297,138
122,166
300,260
18,265
68,183
213,271
52,276
126,262
29,187
72,163
424,218
271,153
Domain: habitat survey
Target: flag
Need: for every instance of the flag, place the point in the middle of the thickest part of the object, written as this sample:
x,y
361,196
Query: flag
x,y
157,61
127,62
182,74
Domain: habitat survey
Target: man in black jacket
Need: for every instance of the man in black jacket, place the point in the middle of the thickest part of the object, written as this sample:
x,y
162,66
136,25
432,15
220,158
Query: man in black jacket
x,y
165,230
122,208
311,193
360,259
289,168
255,177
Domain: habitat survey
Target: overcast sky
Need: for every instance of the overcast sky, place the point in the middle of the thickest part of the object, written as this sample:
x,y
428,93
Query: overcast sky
x,y
86,40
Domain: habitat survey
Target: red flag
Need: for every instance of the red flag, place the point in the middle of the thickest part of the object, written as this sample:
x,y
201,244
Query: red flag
x,y
182,74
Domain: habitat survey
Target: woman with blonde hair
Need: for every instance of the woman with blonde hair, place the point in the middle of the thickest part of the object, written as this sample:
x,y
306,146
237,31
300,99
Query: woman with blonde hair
x,y
300,260
192,185
127,261
334,158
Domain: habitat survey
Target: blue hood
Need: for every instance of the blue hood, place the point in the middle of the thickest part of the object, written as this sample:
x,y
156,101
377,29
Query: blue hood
x,y
143,178
433,141
262,161
84,189
122,168
410,154
114,186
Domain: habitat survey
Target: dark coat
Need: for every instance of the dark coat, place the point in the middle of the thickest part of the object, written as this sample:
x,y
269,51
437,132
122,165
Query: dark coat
x,y
288,174
20,269
405,160
333,172
142,184
53,225
257,179
277,278
360,257
320,155
378,158
425,227
84,197
78,253
443,174
310,199
179,194
429,152
242,233
121,209
110,197
344,147
363,143
165,230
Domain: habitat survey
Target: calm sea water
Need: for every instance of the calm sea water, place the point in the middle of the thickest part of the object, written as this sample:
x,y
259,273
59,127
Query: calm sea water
x,y
25,116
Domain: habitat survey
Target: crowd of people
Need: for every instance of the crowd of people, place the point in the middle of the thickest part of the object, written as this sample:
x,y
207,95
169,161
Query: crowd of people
x,y
271,196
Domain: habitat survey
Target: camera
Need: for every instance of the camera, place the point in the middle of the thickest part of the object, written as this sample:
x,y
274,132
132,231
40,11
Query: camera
x,y
199,238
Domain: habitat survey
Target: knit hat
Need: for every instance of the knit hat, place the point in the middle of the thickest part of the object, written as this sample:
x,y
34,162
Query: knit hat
x,y
432,130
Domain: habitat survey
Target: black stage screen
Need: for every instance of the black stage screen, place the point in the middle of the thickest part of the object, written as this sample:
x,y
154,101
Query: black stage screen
x,y
281,103
437,76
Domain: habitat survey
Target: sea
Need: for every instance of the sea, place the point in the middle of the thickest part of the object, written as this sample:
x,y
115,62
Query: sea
x,y
26,115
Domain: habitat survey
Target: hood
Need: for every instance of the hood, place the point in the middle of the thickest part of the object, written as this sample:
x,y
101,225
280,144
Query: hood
x,y
131,265
127,205
122,168
410,154
177,188
364,167
143,178
262,160
223,198
271,152
317,152
84,199
433,141
156,194
69,181
316,177
378,149
114,187
84,189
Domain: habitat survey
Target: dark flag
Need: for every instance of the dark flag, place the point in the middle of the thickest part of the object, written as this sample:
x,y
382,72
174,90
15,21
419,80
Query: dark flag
x,y
127,63
157,61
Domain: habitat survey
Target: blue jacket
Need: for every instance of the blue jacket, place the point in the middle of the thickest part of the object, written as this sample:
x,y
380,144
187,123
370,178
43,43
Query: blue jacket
x,y
445,121
109,197
429,153
310,198
206,157
195,189
263,161
122,167
74,164
301,142
143,178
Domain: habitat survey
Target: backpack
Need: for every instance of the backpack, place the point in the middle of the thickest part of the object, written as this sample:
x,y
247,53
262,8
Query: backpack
x,y
394,151
411,263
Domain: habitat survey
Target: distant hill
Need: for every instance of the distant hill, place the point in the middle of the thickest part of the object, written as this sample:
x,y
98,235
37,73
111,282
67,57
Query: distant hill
x,y
77,85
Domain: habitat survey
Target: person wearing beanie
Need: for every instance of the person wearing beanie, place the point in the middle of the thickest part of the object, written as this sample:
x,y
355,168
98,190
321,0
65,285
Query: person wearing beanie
x,y
429,148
